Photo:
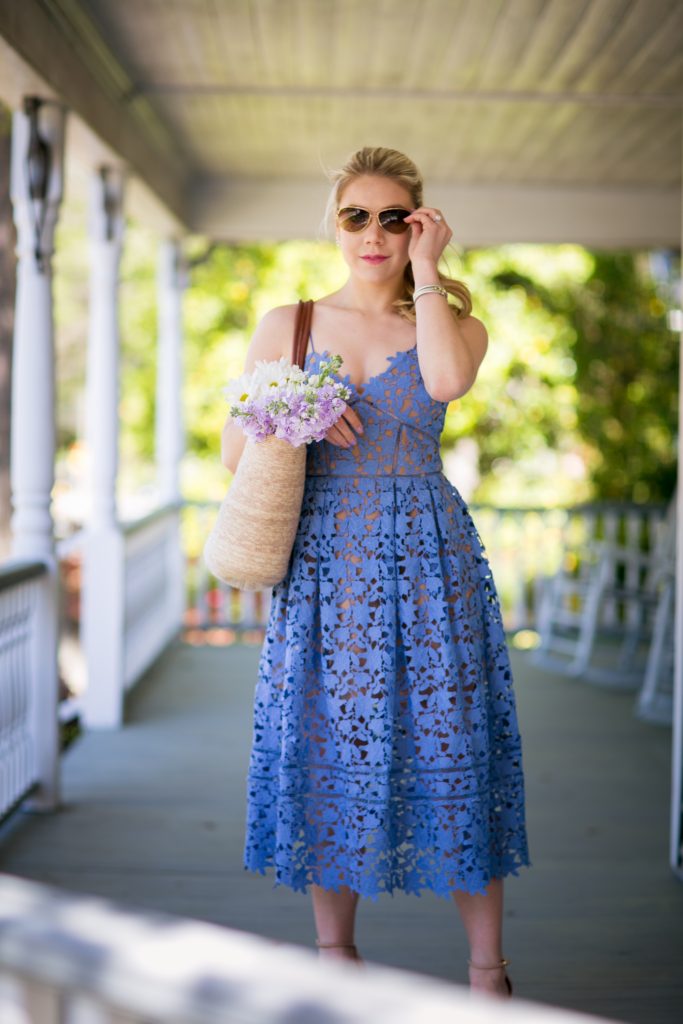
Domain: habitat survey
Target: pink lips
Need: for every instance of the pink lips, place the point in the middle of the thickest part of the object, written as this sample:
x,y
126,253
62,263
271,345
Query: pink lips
x,y
374,259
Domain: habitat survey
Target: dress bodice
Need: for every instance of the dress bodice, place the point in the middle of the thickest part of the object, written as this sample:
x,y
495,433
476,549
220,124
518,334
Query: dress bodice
x,y
402,424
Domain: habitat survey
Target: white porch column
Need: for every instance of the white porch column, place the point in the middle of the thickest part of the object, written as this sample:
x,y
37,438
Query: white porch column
x,y
103,575
36,186
170,434
677,732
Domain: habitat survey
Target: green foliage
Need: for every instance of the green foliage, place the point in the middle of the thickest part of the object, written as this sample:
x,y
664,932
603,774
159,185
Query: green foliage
x,y
627,376
522,410
621,359
138,326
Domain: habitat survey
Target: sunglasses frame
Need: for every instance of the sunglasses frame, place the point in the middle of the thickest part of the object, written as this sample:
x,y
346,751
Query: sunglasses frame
x,y
372,215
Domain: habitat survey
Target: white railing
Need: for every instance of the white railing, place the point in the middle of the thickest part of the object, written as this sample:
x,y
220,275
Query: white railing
x,y
28,726
149,602
216,612
524,546
154,588
81,960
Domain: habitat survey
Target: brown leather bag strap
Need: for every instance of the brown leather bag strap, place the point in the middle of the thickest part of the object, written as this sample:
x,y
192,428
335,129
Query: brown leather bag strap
x,y
302,330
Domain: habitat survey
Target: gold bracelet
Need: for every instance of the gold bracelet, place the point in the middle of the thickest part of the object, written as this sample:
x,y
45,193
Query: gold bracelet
x,y
437,288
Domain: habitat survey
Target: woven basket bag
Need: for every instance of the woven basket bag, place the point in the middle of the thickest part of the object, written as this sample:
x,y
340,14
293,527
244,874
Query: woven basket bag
x,y
251,541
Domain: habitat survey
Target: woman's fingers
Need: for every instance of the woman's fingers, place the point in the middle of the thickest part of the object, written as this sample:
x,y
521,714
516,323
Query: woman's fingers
x,y
342,433
431,233
428,215
430,219
353,418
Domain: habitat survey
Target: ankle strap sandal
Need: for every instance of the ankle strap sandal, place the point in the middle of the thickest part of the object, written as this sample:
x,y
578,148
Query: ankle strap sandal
x,y
335,945
495,967
340,945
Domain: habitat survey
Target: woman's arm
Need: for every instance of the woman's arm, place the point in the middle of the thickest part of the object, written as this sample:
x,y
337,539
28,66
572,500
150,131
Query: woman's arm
x,y
272,339
449,351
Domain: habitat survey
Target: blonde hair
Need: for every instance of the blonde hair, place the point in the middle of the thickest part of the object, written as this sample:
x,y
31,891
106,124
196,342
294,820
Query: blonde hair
x,y
389,163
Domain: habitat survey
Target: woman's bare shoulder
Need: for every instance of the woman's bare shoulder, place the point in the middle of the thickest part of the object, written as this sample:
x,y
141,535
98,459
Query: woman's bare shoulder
x,y
273,335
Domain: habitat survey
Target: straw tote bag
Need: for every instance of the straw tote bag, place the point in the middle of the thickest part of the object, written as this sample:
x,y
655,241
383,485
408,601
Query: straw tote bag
x,y
251,541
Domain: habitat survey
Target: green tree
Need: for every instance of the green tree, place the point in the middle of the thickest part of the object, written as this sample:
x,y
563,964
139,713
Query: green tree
x,y
625,371
626,379
522,412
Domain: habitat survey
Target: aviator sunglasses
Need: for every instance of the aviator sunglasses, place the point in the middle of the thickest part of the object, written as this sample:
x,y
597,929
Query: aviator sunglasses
x,y
357,218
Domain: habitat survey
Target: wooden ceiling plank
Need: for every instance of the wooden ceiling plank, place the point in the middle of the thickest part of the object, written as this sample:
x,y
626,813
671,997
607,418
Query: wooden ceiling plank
x,y
591,151
553,31
468,42
669,77
569,154
655,56
516,135
202,45
415,57
632,34
593,31
230,35
634,154
553,125
510,39
264,65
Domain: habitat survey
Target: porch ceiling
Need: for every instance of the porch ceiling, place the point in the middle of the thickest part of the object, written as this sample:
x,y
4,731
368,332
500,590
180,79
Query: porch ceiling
x,y
549,107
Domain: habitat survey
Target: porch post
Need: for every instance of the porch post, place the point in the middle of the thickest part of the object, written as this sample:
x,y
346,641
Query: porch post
x,y
677,732
36,186
103,574
170,438
171,282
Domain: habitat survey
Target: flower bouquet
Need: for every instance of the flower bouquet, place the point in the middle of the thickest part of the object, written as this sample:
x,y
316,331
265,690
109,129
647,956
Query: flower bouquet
x,y
281,408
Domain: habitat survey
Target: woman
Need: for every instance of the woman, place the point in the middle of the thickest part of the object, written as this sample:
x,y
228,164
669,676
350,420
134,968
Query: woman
x,y
386,753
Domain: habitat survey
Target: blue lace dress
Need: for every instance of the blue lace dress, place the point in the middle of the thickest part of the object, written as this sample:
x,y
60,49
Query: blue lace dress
x,y
386,752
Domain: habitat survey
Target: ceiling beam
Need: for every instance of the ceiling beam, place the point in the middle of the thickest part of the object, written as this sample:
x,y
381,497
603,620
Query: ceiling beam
x,y
480,215
585,99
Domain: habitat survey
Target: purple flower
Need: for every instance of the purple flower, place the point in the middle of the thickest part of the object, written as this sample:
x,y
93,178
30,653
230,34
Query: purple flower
x,y
296,406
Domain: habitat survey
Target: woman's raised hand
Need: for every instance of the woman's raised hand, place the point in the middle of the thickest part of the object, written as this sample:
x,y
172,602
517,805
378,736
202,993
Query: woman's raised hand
x,y
342,433
430,235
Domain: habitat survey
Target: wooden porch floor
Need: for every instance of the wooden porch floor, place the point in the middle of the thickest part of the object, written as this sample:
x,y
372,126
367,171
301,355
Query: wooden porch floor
x,y
154,816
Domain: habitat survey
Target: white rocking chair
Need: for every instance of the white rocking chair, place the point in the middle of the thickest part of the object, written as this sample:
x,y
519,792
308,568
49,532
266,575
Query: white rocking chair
x,y
655,700
604,615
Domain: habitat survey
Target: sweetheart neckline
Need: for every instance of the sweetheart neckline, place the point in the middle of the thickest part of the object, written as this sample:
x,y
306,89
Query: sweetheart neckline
x,y
376,376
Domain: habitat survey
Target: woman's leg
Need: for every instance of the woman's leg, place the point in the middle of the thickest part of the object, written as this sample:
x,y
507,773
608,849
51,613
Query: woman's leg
x,y
482,917
335,919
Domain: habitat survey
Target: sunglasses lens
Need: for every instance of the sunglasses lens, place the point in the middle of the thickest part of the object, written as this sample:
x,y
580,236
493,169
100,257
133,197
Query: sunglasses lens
x,y
351,218
393,221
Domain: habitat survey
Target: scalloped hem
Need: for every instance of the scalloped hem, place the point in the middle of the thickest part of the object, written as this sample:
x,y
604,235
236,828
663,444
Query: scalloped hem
x,y
472,888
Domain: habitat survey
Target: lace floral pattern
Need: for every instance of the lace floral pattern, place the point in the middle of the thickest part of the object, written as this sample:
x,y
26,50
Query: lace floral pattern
x,y
386,752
